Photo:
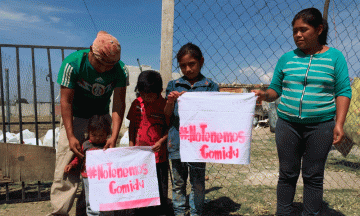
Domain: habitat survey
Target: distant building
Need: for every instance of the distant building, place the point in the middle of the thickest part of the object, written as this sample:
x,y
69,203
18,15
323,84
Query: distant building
x,y
241,88
262,108
22,100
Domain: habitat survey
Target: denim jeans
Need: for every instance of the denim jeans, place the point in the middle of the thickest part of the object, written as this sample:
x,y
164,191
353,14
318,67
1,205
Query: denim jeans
x,y
302,147
180,171
89,211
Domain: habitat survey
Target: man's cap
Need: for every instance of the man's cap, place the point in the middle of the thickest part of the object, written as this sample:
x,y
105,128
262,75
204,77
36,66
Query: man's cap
x,y
106,48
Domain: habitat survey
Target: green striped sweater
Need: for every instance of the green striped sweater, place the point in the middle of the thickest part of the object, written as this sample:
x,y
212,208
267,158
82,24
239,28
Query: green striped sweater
x,y
309,84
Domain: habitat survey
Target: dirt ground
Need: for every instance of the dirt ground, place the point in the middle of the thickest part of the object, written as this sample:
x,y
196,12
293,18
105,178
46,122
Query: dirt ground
x,y
253,175
39,208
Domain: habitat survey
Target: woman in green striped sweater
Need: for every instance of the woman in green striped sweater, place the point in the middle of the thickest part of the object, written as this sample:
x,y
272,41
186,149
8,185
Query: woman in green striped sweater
x,y
313,84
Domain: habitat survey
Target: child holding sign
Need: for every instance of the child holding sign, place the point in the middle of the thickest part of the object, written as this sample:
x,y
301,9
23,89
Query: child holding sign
x,y
190,60
99,129
148,128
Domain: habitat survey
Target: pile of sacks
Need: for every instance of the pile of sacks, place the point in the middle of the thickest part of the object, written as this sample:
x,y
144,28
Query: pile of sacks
x,y
124,141
29,138
47,140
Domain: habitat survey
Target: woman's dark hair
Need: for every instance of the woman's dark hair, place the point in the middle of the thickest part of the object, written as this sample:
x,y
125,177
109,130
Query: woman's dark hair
x,y
191,49
149,81
99,122
313,17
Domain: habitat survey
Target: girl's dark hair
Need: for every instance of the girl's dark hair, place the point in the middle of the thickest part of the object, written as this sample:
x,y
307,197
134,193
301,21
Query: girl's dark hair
x,y
99,122
149,81
313,17
191,49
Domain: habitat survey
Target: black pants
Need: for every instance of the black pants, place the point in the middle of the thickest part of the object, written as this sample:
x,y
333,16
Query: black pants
x,y
311,143
162,176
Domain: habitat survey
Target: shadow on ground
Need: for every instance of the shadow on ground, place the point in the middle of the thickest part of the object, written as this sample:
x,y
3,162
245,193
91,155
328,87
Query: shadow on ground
x,y
326,210
221,206
351,165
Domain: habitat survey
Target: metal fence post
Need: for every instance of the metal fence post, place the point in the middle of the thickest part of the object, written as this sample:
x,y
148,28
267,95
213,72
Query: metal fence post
x,y
19,94
2,98
52,96
7,86
35,96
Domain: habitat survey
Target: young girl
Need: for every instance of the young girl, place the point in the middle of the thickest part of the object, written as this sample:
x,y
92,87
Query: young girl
x,y
99,129
148,128
313,84
190,60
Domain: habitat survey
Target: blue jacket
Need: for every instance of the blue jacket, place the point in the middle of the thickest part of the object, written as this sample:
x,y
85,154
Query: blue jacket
x,y
181,84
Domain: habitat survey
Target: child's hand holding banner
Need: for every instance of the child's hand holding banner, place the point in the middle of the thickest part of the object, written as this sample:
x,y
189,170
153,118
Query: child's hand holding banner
x,y
216,127
122,178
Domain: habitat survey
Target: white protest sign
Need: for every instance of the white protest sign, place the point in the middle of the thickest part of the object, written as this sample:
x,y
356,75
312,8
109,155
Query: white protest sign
x,y
122,178
216,127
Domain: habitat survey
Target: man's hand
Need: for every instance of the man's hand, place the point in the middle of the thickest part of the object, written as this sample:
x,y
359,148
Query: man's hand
x,y
110,143
75,147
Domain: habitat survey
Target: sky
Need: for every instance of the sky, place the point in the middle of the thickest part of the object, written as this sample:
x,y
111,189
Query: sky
x,y
136,24
241,40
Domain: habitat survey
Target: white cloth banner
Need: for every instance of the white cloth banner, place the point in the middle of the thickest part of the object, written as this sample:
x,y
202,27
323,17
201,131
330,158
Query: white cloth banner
x,y
122,178
216,127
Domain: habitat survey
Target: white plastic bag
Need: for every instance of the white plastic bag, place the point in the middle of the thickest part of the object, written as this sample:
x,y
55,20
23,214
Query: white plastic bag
x,y
124,141
10,138
26,134
48,139
32,141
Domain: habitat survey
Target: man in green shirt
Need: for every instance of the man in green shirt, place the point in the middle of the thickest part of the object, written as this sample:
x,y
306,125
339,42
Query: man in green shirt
x,y
87,79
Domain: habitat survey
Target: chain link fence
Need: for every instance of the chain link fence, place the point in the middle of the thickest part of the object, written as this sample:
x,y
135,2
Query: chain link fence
x,y
241,42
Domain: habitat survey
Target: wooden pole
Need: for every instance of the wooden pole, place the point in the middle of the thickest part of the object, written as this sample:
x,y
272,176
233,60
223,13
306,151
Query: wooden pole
x,y
167,32
326,9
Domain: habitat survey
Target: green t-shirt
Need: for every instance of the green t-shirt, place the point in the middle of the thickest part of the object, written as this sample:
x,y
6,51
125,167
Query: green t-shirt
x,y
92,89
309,84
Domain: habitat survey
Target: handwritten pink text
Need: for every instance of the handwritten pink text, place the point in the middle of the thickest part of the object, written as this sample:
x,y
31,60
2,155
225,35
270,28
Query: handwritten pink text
x,y
190,133
125,188
218,154
110,172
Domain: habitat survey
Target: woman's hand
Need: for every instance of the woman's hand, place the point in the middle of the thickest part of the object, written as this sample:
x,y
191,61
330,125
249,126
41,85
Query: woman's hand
x,y
342,107
338,134
269,95
260,94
